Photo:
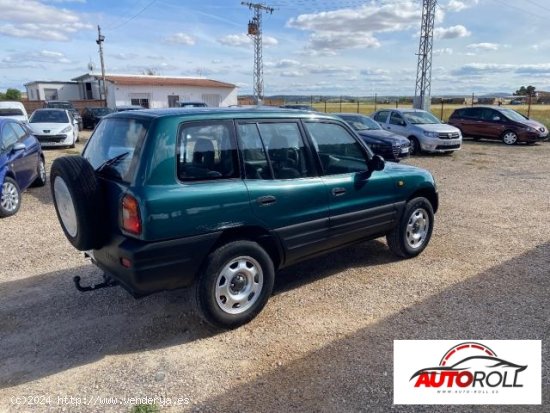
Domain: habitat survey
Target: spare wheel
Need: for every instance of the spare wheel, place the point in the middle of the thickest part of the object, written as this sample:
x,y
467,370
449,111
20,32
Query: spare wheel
x,y
78,201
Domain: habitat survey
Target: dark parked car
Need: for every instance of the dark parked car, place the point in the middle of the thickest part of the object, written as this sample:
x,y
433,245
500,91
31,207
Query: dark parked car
x,y
65,104
21,164
222,198
390,146
491,122
92,116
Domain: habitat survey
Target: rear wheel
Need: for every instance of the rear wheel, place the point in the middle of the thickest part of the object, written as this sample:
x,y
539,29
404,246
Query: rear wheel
x,y
10,201
414,230
235,285
41,174
509,138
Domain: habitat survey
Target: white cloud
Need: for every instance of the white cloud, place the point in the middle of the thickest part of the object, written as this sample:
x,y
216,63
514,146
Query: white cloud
x,y
292,73
452,32
180,38
483,47
35,59
35,20
457,5
243,40
124,56
443,51
356,27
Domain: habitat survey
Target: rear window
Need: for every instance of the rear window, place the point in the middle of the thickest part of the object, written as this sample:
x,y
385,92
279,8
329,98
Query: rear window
x,y
115,146
11,112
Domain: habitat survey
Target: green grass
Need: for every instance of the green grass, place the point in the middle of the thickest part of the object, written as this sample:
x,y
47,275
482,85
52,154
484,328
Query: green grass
x,y
539,113
145,408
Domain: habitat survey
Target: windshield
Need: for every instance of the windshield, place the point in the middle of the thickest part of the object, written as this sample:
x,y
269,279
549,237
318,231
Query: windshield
x,y
101,111
11,112
420,118
49,116
513,115
361,123
115,137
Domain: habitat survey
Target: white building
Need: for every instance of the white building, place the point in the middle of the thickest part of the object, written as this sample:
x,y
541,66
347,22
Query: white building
x,y
157,91
45,90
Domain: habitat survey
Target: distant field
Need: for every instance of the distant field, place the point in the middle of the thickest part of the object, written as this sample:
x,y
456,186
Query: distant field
x,y
540,113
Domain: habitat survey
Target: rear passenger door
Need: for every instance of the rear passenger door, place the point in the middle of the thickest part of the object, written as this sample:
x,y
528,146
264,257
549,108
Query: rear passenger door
x,y
358,208
286,193
397,124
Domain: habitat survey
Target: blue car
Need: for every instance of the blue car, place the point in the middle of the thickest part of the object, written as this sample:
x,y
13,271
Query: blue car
x,y
21,164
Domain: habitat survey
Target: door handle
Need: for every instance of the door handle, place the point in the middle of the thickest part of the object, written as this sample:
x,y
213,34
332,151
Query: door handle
x,y
266,200
338,191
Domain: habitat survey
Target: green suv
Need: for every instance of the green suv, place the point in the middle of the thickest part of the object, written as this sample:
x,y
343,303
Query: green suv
x,y
222,198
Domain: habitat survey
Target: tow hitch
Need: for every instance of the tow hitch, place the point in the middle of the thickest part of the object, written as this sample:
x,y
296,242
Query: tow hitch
x,y
107,282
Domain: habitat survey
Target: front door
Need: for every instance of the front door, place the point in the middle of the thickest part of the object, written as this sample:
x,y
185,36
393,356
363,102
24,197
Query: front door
x,y
359,208
286,194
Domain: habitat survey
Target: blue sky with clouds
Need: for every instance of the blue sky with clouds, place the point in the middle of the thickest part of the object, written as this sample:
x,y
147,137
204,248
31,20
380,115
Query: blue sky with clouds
x,y
310,46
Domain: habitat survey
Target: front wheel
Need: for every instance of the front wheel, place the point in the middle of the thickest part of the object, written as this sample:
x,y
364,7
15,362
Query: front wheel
x,y
10,201
510,138
235,285
415,146
414,230
41,178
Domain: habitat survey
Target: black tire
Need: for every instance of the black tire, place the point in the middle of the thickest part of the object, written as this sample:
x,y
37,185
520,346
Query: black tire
x,y
11,206
398,238
210,306
415,146
41,177
84,196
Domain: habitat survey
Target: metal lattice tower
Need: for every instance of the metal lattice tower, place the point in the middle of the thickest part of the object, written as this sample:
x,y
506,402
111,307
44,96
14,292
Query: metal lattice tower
x,y
422,93
255,32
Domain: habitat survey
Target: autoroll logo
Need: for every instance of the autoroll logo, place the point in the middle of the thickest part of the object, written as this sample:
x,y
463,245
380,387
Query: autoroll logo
x,y
468,372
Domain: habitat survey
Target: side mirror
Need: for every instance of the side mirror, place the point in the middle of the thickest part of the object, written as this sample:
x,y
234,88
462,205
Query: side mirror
x,y
19,147
376,163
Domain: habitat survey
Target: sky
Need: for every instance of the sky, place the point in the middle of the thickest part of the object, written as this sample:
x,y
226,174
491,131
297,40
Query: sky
x,y
311,47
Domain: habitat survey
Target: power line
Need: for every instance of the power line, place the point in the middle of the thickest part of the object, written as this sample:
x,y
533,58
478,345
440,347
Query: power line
x,y
539,5
134,16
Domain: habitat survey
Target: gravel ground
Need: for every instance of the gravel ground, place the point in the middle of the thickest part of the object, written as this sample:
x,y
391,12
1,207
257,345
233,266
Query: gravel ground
x,y
323,343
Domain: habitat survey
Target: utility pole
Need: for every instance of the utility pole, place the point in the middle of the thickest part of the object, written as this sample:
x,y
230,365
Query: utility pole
x,y
422,98
255,32
99,41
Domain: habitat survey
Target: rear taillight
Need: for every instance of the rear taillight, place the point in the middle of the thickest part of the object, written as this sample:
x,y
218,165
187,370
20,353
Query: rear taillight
x,y
131,221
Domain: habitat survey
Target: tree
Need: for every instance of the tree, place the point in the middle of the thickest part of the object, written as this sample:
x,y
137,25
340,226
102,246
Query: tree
x,y
13,94
151,71
525,91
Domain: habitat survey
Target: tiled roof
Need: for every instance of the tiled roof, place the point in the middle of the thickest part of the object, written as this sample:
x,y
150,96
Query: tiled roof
x,y
166,81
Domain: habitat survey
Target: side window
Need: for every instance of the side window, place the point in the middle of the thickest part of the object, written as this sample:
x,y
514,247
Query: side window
x,y
253,152
9,137
338,150
19,130
207,151
396,119
473,113
286,150
490,115
381,116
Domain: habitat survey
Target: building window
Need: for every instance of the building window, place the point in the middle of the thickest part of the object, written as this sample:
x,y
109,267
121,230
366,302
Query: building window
x,y
144,103
173,101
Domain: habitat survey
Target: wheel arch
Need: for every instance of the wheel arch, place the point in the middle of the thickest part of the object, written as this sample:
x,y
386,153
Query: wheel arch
x,y
268,241
430,194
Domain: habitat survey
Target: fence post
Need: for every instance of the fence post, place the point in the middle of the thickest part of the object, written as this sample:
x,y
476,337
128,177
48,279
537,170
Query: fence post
x,y
472,98
357,105
325,105
375,98
340,104
441,117
397,103
529,106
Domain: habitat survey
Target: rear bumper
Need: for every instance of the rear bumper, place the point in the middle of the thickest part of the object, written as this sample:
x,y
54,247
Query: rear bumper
x,y
153,266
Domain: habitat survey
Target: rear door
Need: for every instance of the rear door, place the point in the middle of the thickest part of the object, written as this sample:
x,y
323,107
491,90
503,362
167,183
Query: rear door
x,y
397,124
358,208
470,122
286,193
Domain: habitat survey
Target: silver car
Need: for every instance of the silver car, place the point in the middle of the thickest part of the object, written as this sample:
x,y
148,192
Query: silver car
x,y
423,129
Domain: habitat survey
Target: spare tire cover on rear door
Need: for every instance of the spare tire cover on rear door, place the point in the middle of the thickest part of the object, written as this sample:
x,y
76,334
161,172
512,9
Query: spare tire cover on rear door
x,y
78,201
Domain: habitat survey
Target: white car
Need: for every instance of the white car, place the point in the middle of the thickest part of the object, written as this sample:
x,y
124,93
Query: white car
x,y
425,132
13,110
54,127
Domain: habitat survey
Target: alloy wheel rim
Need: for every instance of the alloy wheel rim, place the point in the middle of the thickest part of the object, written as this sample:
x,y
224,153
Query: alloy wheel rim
x,y
10,197
238,285
42,171
418,226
